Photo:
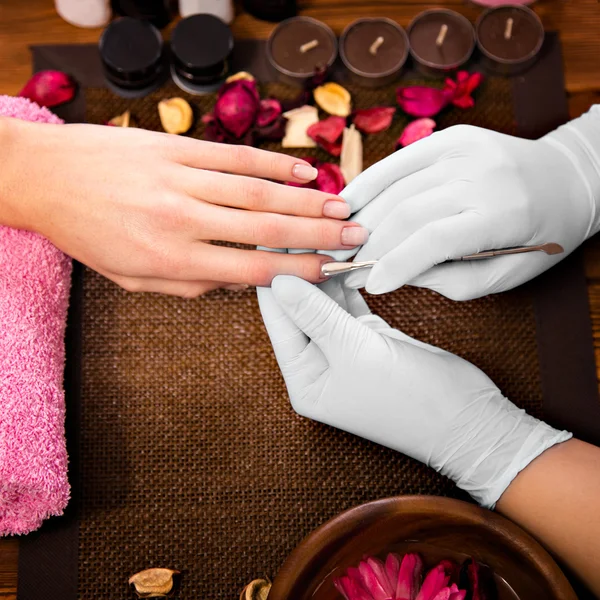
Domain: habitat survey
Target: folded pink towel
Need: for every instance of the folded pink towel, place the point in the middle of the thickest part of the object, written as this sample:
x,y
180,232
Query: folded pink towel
x,y
34,294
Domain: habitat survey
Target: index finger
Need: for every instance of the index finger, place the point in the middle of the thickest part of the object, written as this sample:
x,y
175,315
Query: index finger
x,y
241,160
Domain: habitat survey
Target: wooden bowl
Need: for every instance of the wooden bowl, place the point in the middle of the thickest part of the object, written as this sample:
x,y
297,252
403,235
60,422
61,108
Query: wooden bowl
x,y
435,527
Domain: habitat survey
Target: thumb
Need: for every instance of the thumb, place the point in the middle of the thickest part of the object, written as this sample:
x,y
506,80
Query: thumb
x,y
319,317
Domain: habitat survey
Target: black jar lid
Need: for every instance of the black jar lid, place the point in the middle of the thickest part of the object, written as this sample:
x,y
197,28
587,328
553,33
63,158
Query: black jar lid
x,y
200,46
131,53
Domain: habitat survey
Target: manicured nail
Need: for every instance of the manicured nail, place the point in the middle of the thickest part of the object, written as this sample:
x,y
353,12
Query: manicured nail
x,y
304,172
237,287
336,209
354,236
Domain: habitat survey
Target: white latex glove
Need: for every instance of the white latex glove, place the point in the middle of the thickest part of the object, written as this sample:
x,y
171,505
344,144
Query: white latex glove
x,y
348,368
466,189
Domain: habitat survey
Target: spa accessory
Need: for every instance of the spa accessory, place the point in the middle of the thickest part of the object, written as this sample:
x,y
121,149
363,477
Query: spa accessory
x,y
510,38
374,51
158,12
34,295
223,9
440,41
84,13
271,10
339,268
298,47
200,45
132,57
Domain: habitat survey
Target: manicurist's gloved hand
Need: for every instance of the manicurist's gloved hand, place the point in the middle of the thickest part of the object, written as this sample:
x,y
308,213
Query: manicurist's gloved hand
x,y
348,368
464,190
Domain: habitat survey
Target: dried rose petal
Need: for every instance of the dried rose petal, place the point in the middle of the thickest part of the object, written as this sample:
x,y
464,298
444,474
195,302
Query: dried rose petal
x,y
463,87
328,133
409,577
153,583
330,179
373,120
49,88
415,131
420,101
351,157
176,115
237,106
333,99
256,590
269,110
240,75
274,132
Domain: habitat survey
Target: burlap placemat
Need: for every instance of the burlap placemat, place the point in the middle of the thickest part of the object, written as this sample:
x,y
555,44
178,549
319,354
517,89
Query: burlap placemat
x,y
190,455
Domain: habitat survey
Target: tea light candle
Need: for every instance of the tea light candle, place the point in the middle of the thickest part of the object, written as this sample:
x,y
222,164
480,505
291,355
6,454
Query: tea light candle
x,y
200,47
440,40
510,38
299,46
131,52
374,51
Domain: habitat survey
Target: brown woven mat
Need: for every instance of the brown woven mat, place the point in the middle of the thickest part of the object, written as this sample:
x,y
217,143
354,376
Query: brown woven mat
x,y
191,456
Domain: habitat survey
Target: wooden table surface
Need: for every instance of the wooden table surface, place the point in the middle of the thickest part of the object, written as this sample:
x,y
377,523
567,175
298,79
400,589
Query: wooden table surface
x,y
26,22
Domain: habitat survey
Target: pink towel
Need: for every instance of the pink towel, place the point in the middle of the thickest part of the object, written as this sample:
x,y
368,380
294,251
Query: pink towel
x,y
34,294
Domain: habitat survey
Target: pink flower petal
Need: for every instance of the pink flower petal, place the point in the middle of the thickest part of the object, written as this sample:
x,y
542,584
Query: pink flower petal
x,y
373,120
421,101
433,583
329,130
415,131
459,595
237,106
269,110
330,179
392,567
409,577
379,570
49,88
351,589
369,576
460,90
443,594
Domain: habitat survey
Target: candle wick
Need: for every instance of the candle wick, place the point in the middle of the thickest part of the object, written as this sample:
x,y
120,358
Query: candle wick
x,y
508,29
375,45
309,46
441,35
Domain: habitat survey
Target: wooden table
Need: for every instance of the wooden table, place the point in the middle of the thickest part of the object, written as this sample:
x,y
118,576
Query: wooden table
x,y
25,22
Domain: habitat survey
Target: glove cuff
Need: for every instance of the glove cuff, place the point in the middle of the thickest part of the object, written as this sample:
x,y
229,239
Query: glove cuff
x,y
579,141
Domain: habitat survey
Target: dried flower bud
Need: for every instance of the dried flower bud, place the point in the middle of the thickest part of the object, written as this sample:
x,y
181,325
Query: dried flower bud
x,y
237,106
176,115
123,120
333,99
153,583
256,590
240,75
351,159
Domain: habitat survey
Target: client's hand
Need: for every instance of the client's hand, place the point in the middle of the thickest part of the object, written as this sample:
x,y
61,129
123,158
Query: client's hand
x,y
464,190
348,368
139,206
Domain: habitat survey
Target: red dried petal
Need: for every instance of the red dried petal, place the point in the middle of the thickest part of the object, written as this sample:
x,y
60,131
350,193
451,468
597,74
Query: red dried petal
x,y
415,131
435,581
330,179
421,101
269,110
409,577
273,132
49,88
237,106
373,120
462,88
329,130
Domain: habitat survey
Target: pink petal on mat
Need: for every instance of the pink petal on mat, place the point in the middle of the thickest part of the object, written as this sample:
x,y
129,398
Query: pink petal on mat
x,y
329,130
463,87
373,120
329,179
268,111
421,101
49,88
415,131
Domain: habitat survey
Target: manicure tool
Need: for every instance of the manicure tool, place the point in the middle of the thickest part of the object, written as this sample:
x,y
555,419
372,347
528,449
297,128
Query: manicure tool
x,y
338,268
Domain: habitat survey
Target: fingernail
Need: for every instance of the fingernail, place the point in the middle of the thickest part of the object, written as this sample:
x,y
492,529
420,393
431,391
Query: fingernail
x,y
237,287
336,209
354,236
304,172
